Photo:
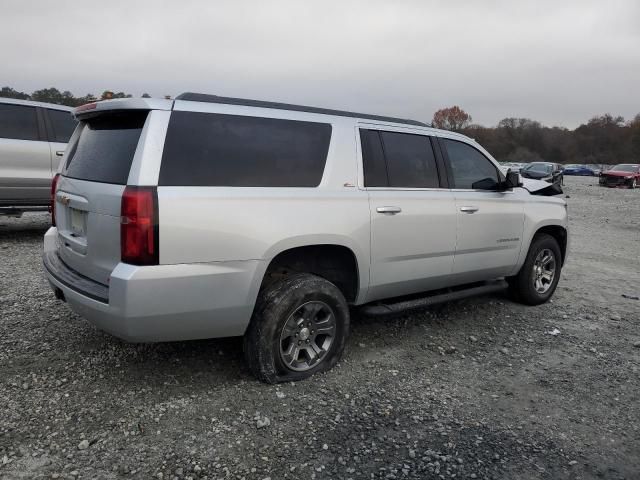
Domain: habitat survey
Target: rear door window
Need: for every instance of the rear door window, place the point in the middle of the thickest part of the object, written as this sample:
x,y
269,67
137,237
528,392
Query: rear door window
x,y
106,146
373,162
62,123
19,122
209,149
410,160
398,160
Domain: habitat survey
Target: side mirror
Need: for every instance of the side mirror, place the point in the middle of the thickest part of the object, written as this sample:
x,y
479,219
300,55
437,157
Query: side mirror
x,y
513,180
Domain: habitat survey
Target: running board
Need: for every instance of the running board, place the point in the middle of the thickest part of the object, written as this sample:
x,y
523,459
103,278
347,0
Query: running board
x,y
379,309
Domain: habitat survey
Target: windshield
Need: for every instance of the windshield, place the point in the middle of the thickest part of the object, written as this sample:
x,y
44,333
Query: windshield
x,y
539,167
625,168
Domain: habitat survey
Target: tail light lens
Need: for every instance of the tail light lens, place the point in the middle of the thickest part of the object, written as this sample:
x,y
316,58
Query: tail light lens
x,y
52,206
139,226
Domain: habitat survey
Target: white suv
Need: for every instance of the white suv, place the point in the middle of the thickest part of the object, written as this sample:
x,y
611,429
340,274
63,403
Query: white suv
x,y
211,217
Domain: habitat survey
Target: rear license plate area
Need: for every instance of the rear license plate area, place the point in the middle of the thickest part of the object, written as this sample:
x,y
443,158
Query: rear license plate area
x,y
78,222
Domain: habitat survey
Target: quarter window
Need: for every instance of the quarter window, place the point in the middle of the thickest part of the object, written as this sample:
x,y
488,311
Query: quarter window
x,y
209,149
18,122
470,169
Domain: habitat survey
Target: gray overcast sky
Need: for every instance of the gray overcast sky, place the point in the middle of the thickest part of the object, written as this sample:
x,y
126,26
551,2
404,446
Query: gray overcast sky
x,y
557,62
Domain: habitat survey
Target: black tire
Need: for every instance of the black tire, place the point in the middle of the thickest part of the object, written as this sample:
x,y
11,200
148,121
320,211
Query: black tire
x,y
274,308
523,285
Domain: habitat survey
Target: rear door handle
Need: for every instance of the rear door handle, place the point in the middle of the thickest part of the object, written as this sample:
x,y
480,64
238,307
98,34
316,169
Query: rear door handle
x,y
389,210
59,153
469,209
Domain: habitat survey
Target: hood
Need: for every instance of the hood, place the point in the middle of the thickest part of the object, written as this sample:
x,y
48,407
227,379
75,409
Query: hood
x,y
611,173
540,187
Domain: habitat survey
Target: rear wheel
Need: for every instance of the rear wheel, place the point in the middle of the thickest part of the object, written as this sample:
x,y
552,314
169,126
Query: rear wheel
x,y
538,278
299,328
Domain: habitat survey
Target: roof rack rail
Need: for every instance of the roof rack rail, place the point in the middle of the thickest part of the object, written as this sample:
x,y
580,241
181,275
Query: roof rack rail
x,y
202,97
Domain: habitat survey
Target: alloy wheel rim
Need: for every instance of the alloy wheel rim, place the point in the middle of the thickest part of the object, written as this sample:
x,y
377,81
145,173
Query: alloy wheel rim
x,y
307,336
544,270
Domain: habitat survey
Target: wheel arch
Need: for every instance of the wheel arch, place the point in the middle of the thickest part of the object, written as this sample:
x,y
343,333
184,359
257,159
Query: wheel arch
x,y
559,233
305,244
335,262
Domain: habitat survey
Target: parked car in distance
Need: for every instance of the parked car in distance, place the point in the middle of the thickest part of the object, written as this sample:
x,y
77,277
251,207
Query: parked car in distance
x,y
513,166
33,137
212,217
623,175
549,172
581,170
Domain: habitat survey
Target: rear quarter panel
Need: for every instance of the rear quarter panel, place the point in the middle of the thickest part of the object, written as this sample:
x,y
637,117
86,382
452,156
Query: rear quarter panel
x,y
223,224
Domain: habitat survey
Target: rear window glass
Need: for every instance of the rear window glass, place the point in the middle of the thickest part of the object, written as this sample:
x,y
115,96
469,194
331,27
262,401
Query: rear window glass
x,y
18,122
106,146
208,149
63,125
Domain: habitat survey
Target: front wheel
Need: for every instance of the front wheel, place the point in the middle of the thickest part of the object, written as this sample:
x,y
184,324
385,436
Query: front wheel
x,y
299,327
538,278
634,183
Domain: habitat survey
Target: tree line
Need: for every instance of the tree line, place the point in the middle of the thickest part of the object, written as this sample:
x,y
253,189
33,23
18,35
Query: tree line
x,y
605,139
53,95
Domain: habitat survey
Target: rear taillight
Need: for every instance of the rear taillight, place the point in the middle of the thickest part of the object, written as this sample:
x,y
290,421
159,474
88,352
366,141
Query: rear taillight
x,y
139,226
52,206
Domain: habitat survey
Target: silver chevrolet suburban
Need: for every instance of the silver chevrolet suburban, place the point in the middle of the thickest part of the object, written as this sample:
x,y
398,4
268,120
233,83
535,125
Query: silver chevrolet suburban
x,y
207,216
33,137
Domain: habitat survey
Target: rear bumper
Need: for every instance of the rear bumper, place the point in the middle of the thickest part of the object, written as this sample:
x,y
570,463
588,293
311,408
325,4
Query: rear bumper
x,y
162,302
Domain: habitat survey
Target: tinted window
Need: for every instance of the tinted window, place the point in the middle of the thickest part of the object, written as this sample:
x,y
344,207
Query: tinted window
x,y
106,147
18,121
63,125
375,170
469,166
410,160
207,149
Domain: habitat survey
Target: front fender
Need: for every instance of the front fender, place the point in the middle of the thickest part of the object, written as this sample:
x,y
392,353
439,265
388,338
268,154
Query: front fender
x,y
539,213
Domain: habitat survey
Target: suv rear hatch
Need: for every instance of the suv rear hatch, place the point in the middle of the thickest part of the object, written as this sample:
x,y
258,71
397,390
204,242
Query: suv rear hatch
x,y
90,187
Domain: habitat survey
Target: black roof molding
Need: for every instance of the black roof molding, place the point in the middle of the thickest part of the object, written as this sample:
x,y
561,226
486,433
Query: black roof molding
x,y
202,97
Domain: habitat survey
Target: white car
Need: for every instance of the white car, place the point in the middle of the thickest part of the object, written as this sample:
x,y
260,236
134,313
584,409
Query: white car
x,y
210,217
33,137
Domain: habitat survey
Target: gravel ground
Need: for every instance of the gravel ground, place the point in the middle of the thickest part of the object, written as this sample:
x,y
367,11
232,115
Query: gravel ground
x,y
473,389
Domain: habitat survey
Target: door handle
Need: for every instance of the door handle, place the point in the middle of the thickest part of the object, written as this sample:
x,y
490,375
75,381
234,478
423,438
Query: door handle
x,y
389,210
59,153
469,209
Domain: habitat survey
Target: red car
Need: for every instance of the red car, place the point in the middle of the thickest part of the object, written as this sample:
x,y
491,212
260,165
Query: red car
x,y
624,175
